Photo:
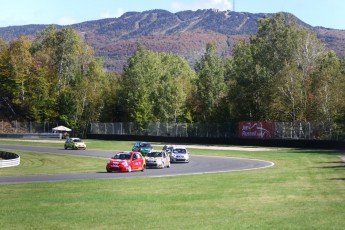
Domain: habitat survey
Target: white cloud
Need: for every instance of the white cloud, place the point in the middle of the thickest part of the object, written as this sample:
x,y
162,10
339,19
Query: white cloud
x,y
180,5
116,14
66,20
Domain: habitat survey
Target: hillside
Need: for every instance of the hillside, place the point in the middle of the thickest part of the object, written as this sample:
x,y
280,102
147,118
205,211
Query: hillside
x,y
184,33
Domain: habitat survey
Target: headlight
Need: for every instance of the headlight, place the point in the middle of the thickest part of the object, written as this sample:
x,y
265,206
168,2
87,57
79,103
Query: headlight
x,y
108,162
125,163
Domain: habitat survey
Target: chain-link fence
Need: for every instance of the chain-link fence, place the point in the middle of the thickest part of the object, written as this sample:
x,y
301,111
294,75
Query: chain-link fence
x,y
309,130
280,130
166,129
26,127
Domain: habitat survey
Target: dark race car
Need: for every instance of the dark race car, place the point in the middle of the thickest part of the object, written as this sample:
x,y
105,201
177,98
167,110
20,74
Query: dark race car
x,y
142,147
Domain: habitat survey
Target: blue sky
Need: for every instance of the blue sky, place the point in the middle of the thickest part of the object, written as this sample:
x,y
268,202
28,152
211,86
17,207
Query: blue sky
x,y
330,13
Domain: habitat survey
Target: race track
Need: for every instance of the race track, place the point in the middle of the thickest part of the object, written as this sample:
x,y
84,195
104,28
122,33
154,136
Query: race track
x,y
198,165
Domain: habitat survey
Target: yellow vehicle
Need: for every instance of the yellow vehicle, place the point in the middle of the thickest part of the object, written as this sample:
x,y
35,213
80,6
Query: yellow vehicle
x,y
157,159
74,143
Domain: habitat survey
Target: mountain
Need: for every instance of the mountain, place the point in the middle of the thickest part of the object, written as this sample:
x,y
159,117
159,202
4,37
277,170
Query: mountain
x,y
185,33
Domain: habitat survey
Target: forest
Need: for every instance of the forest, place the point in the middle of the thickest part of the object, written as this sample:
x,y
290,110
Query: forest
x,y
283,73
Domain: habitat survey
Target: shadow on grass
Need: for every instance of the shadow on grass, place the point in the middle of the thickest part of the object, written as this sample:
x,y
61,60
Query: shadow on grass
x,y
332,167
340,164
332,162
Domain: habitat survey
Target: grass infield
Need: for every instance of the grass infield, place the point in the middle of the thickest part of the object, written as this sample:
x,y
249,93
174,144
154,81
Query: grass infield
x,y
304,190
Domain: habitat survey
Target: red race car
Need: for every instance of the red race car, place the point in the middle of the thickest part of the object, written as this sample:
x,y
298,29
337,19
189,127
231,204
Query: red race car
x,y
126,162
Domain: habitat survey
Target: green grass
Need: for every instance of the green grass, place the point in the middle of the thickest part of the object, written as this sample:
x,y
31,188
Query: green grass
x,y
304,190
32,163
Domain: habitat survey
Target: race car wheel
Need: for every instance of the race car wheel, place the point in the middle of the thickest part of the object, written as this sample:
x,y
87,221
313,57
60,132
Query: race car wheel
x,y
65,147
129,169
143,168
168,166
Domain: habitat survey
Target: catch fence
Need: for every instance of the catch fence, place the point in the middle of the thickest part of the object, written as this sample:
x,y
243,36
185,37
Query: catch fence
x,y
165,129
10,127
257,130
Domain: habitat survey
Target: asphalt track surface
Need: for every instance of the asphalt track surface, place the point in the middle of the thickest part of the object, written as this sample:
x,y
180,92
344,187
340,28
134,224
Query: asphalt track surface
x,y
197,165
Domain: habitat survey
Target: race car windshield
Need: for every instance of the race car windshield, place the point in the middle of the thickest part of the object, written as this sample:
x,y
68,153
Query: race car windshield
x,y
144,145
122,156
151,154
179,151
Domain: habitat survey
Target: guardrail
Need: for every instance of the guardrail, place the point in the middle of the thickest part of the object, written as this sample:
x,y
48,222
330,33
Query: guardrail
x,y
31,135
9,159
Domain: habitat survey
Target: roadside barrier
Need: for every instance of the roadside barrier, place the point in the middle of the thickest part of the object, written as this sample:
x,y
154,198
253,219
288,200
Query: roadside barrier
x,y
8,159
31,135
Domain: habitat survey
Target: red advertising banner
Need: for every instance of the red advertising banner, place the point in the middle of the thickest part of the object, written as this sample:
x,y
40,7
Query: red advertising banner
x,y
256,129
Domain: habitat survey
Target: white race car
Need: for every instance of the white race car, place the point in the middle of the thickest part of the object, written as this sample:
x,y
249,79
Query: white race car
x,y
179,154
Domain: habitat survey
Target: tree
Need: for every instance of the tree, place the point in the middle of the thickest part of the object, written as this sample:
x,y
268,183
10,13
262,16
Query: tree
x,y
111,109
41,106
272,48
273,71
3,46
275,42
309,51
174,89
288,98
155,87
328,90
90,95
210,84
21,63
65,50
139,76
72,74
295,79
7,83
243,83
